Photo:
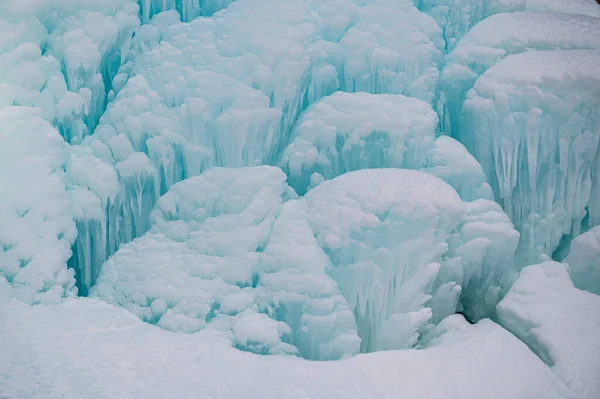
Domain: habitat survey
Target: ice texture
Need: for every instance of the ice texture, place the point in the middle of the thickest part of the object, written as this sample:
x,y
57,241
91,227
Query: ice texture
x,y
77,349
36,221
372,258
351,131
584,260
559,322
61,56
498,36
217,92
536,135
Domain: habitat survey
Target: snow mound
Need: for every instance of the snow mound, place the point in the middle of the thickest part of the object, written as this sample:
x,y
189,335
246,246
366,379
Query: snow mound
x,y
560,323
43,346
584,260
535,129
389,252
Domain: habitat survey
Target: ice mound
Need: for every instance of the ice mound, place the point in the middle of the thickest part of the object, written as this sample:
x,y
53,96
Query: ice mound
x,y
36,228
351,131
457,17
391,252
559,322
488,42
536,135
39,345
187,9
61,56
197,266
584,260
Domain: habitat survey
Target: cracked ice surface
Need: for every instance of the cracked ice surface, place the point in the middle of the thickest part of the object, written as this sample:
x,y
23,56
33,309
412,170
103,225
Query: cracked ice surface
x,y
372,258
536,135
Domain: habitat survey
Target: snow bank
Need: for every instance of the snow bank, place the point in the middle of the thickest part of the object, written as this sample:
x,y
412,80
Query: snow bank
x,y
560,323
88,349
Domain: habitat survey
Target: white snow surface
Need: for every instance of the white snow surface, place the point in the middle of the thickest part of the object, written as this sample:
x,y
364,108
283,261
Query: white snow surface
x,y
85,348
559,322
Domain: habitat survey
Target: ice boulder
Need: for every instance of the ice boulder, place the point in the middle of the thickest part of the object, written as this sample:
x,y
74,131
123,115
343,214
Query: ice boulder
x,y
498,36
37,227
532,122
584,261
559,322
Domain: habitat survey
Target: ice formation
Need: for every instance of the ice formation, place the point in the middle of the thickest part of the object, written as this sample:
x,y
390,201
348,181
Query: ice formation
x,y
584,260
351,131
499,36
135,138
536,135
559,323
381,254
36,222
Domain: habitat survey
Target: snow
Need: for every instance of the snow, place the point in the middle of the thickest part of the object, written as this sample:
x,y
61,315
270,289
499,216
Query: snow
x,y
584,260
536,135
559,322
88,349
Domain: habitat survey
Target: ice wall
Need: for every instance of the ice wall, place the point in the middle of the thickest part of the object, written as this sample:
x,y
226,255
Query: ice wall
x,y
536,134
218,92
61,56
187,9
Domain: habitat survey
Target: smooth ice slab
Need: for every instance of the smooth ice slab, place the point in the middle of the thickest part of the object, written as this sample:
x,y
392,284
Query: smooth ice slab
x,y
559,322
125,357
584,261
533,124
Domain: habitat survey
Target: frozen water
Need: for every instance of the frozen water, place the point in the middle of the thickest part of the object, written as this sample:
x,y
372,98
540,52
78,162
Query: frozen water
x,y
351,131
457,17
187,9
584,260
380,254
88,349
559,322
217,92
536,134
61,56
497,37
36,220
